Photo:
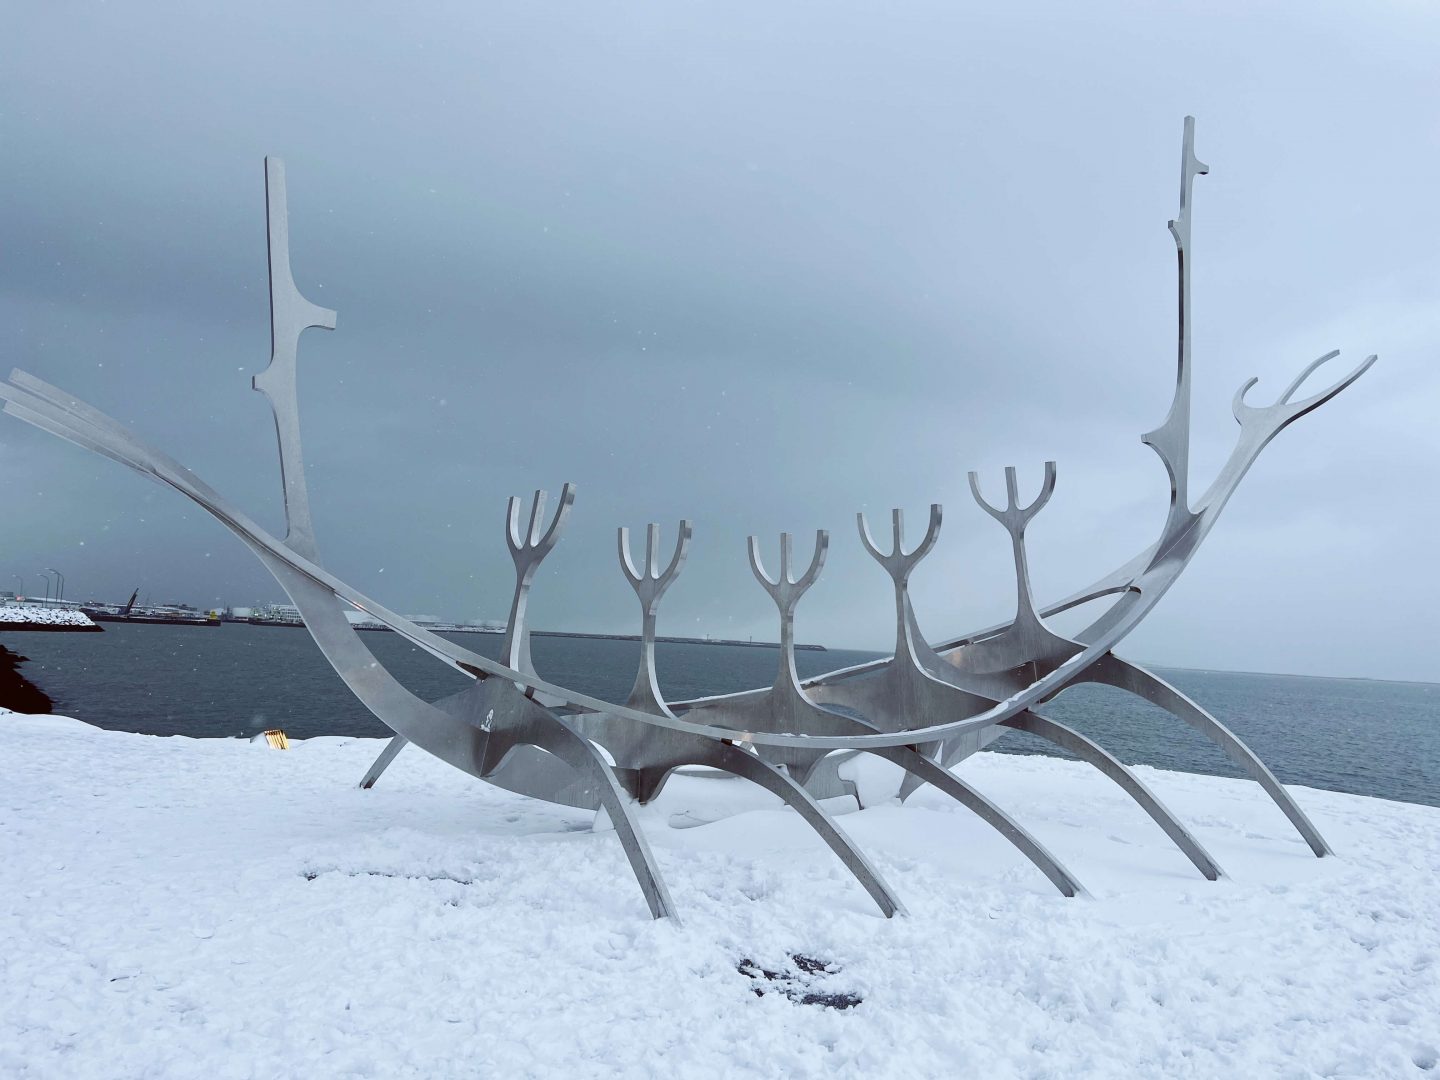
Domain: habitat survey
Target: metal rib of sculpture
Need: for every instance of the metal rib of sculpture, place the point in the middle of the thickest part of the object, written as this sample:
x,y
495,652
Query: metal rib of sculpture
x,y
925,708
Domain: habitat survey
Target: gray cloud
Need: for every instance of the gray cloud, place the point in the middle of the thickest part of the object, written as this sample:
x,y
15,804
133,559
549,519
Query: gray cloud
x,y
758,265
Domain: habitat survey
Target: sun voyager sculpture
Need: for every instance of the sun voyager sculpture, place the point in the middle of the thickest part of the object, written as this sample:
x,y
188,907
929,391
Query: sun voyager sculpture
x,y
924,709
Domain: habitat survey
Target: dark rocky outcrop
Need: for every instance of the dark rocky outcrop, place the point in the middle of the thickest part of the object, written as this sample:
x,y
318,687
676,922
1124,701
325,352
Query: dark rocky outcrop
x,y
17,692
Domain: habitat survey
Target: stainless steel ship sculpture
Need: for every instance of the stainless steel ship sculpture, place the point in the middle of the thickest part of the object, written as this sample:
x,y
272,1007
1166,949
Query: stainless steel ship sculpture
x,y
924,709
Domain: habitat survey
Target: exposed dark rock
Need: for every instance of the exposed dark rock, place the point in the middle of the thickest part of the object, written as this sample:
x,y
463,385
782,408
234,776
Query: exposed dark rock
x,y
18,693
804,985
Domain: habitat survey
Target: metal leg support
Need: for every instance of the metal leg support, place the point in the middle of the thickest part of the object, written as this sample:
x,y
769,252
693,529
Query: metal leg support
x,y
1094,754
393,747
552,735
1112,671
931,773
749,767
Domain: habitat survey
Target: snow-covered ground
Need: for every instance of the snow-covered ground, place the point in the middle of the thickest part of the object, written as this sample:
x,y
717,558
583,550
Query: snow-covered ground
x,y
179,908
46,616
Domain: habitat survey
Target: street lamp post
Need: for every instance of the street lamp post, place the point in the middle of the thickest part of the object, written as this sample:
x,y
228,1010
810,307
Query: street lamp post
x,y
47,585
21,582
60,589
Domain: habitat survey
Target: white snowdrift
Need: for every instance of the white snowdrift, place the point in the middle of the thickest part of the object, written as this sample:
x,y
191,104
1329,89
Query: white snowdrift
x,y
177,908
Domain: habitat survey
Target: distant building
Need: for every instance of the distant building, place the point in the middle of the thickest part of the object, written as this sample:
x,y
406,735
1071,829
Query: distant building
x,y
276,613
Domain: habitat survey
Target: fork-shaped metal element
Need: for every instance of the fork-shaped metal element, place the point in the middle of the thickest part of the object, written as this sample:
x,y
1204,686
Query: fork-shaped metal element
x,y
786,591
650,584
899,565
1284,411
527,551
1260,424
1027,626
787,706
998,665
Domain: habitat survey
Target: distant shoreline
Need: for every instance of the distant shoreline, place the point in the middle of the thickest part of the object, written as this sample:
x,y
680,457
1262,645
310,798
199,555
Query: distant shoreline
x,y
461,628
674,640
1291,675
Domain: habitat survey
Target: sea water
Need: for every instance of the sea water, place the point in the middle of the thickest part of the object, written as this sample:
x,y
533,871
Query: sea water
x,y
1361,736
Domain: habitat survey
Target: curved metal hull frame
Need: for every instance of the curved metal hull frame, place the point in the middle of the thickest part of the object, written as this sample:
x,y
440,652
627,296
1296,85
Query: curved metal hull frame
x,y
925,708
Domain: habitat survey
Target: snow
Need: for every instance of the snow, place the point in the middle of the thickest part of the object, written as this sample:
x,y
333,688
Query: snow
x,y
36,613
173,907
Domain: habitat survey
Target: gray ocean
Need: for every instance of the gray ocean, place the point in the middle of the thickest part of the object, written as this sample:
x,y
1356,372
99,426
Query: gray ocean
x,y
1355,735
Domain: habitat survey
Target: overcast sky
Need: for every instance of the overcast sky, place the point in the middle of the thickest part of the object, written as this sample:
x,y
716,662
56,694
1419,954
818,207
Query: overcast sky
x,y
760,265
